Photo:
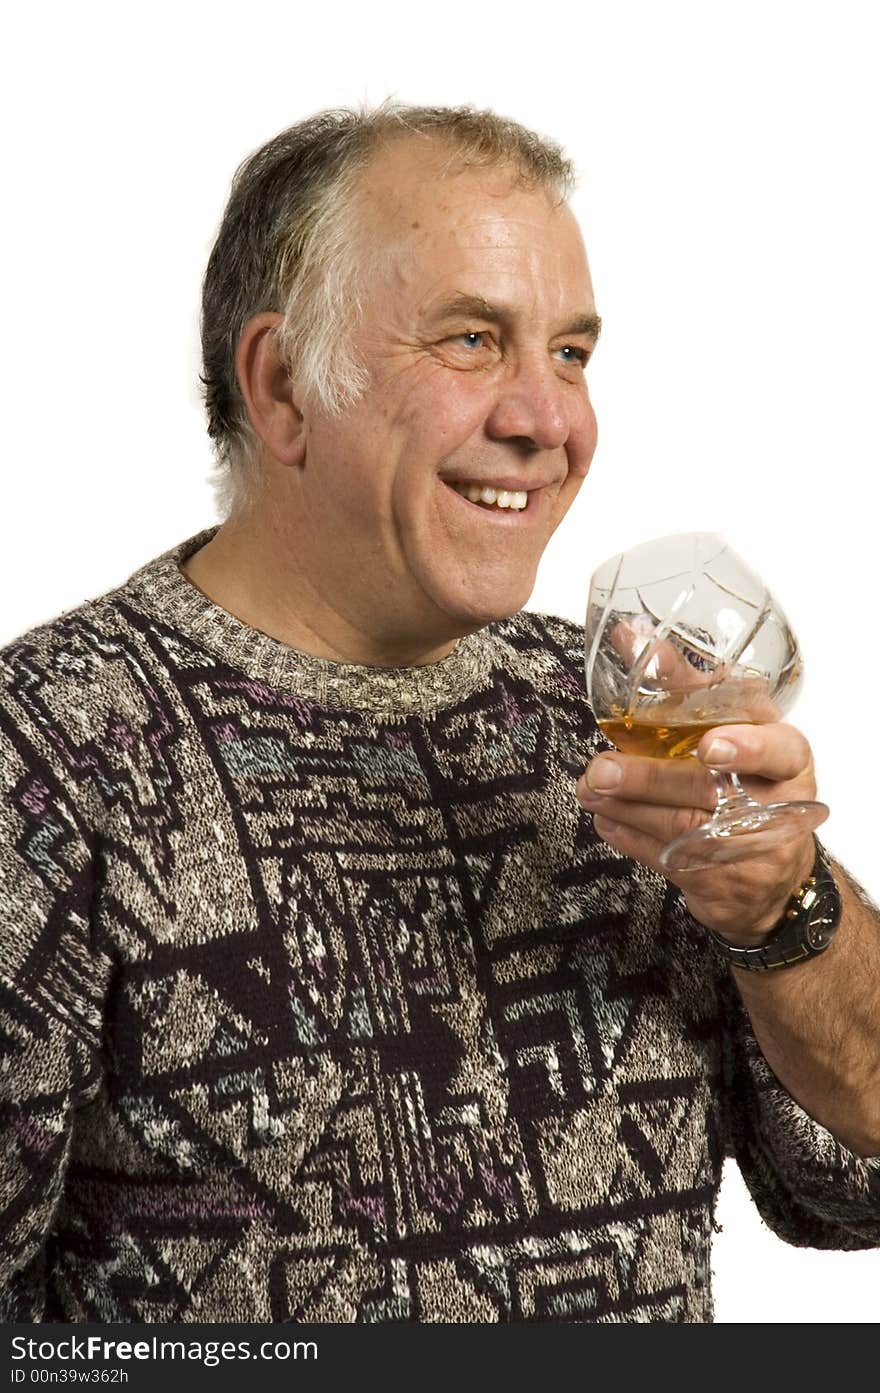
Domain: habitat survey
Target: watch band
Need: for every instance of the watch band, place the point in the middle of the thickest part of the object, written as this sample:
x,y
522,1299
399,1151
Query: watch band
x,y
805,930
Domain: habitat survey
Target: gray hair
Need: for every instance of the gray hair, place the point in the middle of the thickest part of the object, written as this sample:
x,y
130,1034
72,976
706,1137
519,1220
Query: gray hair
x,y
291,242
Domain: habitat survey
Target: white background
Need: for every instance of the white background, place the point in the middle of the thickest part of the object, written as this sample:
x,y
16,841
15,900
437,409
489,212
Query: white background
x,y
728,161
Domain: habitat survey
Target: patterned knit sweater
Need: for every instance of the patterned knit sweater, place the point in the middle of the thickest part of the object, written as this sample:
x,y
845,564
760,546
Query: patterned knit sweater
x,y
321,1000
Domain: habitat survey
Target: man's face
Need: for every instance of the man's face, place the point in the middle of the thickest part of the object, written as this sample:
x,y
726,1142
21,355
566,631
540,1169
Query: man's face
x,y
488,391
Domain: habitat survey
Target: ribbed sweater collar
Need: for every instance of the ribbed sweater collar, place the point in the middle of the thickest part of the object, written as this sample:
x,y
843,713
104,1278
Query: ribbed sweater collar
x,y
161,590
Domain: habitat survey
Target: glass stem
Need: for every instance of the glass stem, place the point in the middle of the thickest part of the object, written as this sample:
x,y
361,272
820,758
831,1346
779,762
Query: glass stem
x,y
731,794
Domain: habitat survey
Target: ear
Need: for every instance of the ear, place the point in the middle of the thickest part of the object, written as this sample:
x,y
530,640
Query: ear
x,y
268,390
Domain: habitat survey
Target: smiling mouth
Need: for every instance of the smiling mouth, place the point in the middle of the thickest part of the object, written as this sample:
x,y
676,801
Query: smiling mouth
x,y
488,497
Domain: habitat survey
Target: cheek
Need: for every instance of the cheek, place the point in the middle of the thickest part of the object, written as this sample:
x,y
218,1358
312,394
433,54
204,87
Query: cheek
x,y
582,440
436,422
346,478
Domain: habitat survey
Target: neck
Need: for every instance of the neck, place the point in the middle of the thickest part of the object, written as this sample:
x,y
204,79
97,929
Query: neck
x,y
249,568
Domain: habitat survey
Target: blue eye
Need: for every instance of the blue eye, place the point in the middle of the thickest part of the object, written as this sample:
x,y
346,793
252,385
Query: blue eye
x,y
580,354
472,334
476,338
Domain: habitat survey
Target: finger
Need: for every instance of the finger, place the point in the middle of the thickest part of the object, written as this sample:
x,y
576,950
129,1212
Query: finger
x,y
777,752
668,668
630,842
646,850
665,666
668,782
661,824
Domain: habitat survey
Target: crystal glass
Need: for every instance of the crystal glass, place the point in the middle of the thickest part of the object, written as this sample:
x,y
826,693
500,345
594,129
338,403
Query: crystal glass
x,y
681,636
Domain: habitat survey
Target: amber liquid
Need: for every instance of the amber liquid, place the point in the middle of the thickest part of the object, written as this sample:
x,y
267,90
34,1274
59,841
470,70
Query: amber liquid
x,y
657,741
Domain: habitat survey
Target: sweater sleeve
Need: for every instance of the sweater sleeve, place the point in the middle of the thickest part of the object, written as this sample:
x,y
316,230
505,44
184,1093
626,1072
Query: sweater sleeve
x,y
809,1188
51,992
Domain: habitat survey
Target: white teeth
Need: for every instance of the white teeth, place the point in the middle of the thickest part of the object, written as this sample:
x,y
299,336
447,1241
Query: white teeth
x,y
502,498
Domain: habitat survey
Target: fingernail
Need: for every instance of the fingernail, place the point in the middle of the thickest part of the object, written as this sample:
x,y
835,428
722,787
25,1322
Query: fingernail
x,y
721,752
604,774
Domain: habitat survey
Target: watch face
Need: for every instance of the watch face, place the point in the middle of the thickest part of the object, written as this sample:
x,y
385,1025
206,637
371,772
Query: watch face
x,y
824,914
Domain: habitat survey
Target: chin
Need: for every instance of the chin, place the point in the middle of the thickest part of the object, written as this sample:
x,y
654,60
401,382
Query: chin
x,y
475,611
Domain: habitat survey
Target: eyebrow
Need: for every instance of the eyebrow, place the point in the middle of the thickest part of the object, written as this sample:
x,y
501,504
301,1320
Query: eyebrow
x,y
475,307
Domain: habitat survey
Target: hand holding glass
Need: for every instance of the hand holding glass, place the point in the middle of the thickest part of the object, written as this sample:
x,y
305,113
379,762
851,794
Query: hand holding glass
x,y
681,637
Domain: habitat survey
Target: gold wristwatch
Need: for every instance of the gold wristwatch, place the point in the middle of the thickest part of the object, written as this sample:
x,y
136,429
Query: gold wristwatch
x,y
805,930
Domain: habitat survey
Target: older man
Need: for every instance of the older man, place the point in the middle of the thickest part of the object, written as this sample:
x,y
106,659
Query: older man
x,y
324,999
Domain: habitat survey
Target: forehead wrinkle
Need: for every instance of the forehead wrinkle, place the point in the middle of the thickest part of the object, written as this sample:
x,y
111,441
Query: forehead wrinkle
x,y
421,264
502,233
537,268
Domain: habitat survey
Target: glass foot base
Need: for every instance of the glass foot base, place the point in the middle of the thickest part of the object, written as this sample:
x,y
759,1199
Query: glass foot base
x,y
740,833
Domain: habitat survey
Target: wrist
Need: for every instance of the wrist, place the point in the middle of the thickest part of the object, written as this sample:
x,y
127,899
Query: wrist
x,y
756,934
805,930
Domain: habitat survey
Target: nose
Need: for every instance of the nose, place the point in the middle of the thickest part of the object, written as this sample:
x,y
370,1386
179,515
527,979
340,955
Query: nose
x,y
534,406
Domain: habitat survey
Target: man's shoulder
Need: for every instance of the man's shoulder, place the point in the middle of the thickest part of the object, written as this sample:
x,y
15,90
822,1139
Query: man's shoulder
x,y
61,646
85,638
77,695
543,649
536,627
66,678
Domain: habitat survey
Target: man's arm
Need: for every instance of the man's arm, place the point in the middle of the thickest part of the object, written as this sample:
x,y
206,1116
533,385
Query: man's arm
x,y
818,1023
51,988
